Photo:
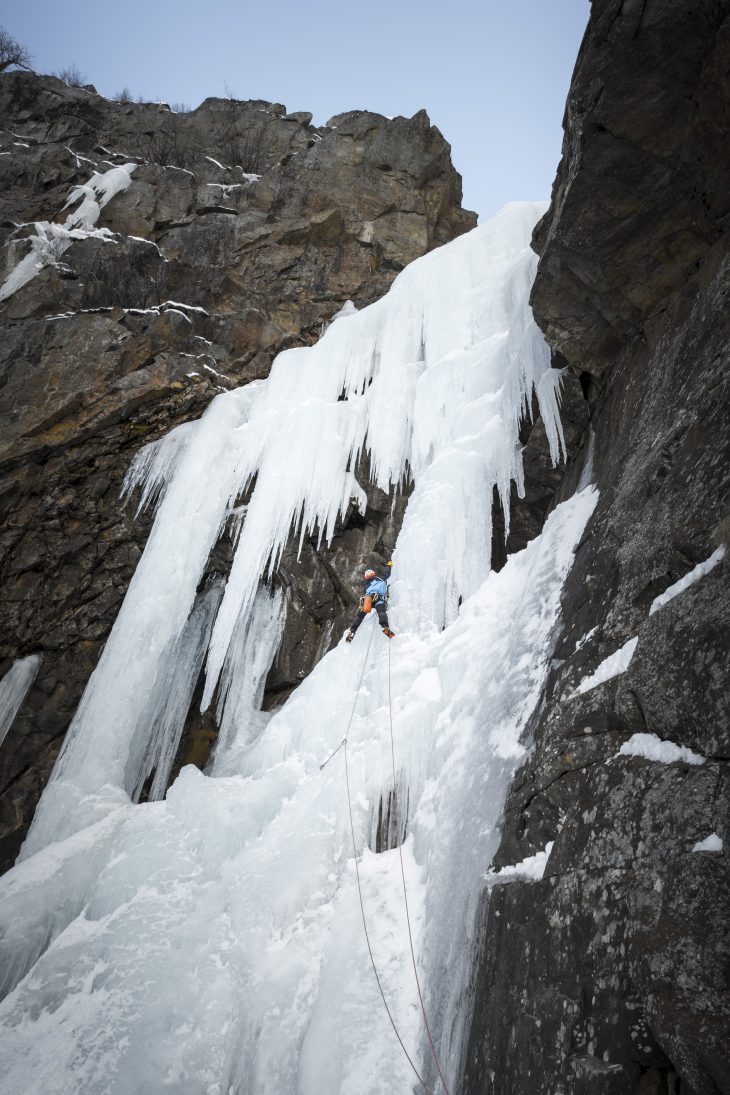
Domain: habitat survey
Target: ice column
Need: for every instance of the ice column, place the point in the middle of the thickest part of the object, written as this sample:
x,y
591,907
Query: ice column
x,y
14,688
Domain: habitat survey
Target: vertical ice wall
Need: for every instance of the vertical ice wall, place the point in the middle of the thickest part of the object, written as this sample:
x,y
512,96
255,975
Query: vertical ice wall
x,y
432,381
213,939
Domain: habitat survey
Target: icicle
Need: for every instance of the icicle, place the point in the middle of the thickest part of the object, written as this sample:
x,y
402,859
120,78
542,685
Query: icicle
x,y
14,688
548,396
88,780
160,728
154,465
255,642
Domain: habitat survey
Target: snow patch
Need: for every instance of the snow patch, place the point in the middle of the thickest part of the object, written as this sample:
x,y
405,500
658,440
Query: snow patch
x,y
533,867
185,307
177,312
347,309
586,639
612,666
711,843
652,747
689,579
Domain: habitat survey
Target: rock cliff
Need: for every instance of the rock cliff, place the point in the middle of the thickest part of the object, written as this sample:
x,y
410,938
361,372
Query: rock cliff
x,y
244,230
609,975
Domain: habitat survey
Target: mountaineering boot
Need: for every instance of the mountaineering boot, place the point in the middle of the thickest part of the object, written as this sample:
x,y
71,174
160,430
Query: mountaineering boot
x,y
350,636
388,633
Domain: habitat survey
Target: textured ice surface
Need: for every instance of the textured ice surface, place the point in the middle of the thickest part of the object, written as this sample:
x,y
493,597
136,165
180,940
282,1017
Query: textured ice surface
x,y
652,747
689,579
212,942
214,938
612,666
13,689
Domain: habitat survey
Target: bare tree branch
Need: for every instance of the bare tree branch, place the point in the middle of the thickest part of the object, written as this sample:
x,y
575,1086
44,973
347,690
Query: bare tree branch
x,y
71,75
12,53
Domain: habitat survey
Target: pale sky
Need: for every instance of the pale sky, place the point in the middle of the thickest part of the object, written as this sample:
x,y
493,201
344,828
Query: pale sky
x,y
492,74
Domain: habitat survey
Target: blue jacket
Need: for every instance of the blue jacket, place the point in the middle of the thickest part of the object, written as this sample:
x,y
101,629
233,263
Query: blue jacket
x,y
376,587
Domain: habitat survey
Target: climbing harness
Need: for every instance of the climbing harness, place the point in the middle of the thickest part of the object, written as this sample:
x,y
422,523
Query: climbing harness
x,y
343,745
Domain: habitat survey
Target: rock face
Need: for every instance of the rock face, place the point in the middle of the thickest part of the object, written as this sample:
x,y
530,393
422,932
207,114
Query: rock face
x,y
609,976
244,230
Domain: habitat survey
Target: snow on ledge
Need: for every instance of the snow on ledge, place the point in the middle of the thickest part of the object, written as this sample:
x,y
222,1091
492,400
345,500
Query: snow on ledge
x,y
586,639
186,307
711,843
533,868
689,579
652,747
612,666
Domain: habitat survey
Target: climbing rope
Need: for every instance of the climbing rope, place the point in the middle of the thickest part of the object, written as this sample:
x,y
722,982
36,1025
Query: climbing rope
x,y
405,889
343,745
352,713
367,936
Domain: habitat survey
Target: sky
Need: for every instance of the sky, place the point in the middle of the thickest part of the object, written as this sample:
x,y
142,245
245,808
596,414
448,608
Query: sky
x,y
492,74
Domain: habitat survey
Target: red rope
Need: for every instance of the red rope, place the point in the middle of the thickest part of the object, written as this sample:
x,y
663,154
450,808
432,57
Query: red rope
x,y
405,890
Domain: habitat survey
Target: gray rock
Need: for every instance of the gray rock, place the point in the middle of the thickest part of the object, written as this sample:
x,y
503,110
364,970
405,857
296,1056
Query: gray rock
x,y
610,975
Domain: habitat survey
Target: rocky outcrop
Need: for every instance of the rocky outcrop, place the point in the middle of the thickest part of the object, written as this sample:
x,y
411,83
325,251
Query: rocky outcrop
x,y
610,975
244,230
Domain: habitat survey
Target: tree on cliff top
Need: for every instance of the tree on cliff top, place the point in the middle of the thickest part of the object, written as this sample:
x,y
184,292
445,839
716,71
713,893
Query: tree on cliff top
x,y
12,53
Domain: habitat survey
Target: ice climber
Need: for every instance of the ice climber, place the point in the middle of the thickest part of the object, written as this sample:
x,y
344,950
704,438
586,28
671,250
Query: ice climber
x,y
375,596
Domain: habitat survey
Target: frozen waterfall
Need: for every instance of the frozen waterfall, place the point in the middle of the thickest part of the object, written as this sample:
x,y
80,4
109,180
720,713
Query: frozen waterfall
x,y
211,941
